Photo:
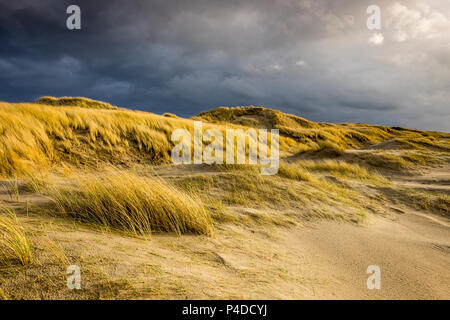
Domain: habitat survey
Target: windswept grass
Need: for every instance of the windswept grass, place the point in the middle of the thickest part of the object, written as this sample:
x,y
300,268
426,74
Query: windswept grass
x,y
12,188
342,169
294,171
169,115
75,102
42,137
127,202
38,137
81,132
334,138
311,135
14,244
36,181
398,160
430,201
330,148
251,168
303,170
423,142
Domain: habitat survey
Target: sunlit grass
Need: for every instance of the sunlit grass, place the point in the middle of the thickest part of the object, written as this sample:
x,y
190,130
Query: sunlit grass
x,y
14,244
124,201
294,171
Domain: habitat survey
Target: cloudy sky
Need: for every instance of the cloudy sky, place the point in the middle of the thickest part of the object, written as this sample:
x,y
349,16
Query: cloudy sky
x,y
313,58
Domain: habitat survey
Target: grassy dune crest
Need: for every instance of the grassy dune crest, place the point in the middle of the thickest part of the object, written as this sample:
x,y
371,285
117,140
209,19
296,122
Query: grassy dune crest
x,y
314,136
76,102
125,201
84,132
35,136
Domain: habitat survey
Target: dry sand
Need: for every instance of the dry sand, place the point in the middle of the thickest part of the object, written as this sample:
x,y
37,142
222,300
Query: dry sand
x,y
412,251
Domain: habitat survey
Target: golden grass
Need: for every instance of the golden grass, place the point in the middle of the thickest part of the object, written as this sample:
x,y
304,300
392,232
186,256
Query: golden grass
x,y
405,159
76,102
58,253
314,136
341,169
430,201
65,139
12,188
423,142
2,295
125,201
225,114
302,170
82,132
169,115
37,136
246,197
36,181
252,168
14,243
330,147
294,171
324,136
42,137
235,187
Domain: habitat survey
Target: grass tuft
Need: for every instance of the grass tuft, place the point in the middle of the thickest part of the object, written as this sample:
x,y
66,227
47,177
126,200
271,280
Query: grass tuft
x,y
127,202
342,169
294,171
14,243
12,188
36,182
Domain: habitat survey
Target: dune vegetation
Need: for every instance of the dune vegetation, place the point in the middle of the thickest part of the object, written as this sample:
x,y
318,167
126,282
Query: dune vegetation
x,y
75,102
37,136
84,132
14,244
89,168
322,136
125,201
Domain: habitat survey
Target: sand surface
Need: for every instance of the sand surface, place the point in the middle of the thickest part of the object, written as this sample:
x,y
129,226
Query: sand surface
x,y
412,251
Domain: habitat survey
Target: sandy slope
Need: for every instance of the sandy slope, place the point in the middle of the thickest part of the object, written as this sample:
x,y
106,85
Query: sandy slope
x,y
412,249
413,253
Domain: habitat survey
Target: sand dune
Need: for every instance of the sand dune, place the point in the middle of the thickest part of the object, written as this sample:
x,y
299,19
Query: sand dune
x,y
92,185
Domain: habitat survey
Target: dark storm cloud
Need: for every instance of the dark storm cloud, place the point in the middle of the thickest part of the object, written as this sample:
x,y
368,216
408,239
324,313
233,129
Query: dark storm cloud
x,y
311,58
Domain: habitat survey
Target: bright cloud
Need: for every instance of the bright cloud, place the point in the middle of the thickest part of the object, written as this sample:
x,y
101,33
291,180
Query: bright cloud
x,y
421,22
376,39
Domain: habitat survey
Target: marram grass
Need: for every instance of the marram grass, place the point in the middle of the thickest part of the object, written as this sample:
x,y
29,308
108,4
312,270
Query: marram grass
x,y
81,132
14,244
125,201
